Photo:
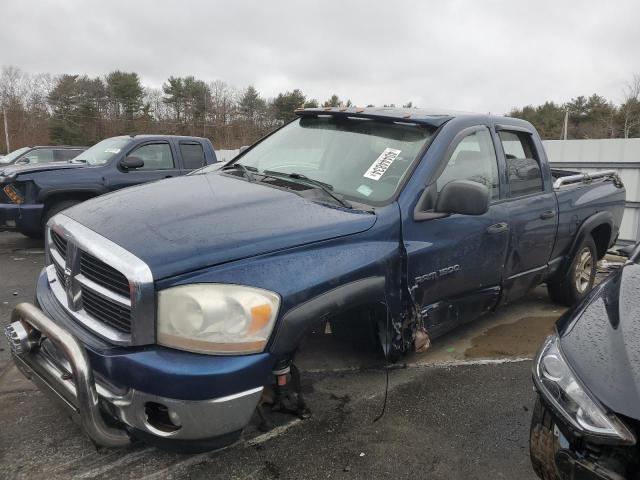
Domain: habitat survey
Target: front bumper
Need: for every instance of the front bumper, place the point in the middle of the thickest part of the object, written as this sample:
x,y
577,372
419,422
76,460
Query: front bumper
x,y
58,363
558,455
24,217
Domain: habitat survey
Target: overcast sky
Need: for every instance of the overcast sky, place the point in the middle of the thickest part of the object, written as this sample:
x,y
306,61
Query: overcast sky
x,y
484,56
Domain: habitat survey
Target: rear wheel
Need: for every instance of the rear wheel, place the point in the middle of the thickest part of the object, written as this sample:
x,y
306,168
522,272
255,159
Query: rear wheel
x,y
579,278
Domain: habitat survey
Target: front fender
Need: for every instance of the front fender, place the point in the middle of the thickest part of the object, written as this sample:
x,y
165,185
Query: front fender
x,y
314,281
296,322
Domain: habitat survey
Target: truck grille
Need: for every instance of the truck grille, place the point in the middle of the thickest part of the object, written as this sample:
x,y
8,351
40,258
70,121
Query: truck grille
x,y
103,274
60,244
93,291
108,312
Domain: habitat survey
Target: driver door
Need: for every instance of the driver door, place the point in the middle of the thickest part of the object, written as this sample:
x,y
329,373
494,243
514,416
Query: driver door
x,y
455,263
158,161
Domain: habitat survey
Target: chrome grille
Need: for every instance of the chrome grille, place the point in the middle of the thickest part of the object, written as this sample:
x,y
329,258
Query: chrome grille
x,y
59,243
108,312
100,284
59,272
103,274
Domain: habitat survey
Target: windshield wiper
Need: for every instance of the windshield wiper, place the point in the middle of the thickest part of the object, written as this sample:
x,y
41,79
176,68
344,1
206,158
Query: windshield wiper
x,y
246,171
325,187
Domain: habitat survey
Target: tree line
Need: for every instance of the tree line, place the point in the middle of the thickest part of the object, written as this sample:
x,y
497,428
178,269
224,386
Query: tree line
x,y
76,109
588,116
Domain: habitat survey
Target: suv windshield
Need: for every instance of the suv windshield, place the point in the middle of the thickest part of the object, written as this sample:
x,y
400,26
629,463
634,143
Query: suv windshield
x,y
103,151
10,157
361,159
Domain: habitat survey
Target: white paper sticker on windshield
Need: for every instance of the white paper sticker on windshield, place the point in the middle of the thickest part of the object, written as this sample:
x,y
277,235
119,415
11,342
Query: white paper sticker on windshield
x,y
382,163
111,150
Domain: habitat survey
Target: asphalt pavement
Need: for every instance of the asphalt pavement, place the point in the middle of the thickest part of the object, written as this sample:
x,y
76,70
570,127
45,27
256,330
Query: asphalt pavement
x,y
461,410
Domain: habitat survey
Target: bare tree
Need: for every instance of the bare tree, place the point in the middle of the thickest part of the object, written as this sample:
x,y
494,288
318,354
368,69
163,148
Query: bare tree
x,y
630,107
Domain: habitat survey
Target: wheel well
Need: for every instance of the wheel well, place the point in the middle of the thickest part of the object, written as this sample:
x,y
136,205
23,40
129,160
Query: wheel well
x,y
63,197
601,236
361,326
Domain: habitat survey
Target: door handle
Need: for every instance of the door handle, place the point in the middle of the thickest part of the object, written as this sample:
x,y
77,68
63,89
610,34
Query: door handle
x,y
498,228
547,215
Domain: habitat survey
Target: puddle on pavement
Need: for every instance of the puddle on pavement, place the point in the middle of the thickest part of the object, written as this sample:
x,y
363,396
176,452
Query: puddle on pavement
x,y
518,339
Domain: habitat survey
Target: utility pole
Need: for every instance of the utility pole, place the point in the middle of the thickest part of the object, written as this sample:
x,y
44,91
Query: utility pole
x,y
6,129
566,124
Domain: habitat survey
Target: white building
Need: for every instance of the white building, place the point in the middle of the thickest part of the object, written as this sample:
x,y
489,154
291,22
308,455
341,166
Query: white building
x,y
622,155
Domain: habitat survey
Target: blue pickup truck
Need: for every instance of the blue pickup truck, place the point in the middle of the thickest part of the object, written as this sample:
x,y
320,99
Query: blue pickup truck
x,y
164,310
31,194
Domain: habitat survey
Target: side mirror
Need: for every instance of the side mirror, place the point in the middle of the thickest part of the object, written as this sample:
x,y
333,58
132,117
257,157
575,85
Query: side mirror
x,y
464,197
23,161
131,163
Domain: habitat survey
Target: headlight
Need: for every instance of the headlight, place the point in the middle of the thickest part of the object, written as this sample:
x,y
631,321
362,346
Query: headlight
x,y
560,386
216,318
14,195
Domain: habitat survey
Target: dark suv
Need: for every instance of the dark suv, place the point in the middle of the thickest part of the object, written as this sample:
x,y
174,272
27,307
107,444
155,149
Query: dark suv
x,y
43,154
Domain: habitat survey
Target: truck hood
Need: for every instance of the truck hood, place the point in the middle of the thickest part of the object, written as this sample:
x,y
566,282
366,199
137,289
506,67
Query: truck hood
x,y
187,223
14,170
602,342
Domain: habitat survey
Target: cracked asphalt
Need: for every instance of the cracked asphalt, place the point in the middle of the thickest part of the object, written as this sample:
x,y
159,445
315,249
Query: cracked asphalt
x,y
461,410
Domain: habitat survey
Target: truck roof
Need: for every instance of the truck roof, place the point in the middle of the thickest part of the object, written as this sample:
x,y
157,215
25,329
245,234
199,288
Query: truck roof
x,y
58,146
159,135
433,117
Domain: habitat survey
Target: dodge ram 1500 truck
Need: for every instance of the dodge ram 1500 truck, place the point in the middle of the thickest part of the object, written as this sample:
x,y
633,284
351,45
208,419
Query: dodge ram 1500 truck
x,y
165,309
31,194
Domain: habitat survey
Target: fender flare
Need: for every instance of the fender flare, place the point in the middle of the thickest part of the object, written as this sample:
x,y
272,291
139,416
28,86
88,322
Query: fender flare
x,y
296,322
45,196
585,229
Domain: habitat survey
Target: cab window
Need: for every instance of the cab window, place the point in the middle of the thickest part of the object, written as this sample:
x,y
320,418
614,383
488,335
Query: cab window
x,y
474,158
523,165
192,155
156,156
39,155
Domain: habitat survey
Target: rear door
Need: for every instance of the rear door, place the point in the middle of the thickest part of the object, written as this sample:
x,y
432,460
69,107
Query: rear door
x,y
455,263
533,215
159,162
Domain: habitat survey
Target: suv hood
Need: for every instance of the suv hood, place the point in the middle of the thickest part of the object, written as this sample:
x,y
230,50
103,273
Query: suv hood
x,y
187,223
601,342
14,170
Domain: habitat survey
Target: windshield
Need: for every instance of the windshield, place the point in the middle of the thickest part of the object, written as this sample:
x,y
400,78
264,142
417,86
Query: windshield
x,y
103,151
10,157
362,159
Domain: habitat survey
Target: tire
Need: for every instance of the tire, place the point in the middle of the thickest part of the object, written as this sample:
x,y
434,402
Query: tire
x,y
543,444
579,277
55,209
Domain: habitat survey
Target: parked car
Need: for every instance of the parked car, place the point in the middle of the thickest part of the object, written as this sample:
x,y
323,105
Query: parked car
x,y
41,154
586,420
169,307
33,193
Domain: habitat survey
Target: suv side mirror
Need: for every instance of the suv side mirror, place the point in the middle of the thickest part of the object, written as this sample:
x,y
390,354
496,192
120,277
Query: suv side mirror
x,y
23,161
131,163
464,197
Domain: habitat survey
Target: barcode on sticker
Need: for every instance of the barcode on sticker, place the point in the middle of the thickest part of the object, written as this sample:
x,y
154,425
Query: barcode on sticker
x,y
382,163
